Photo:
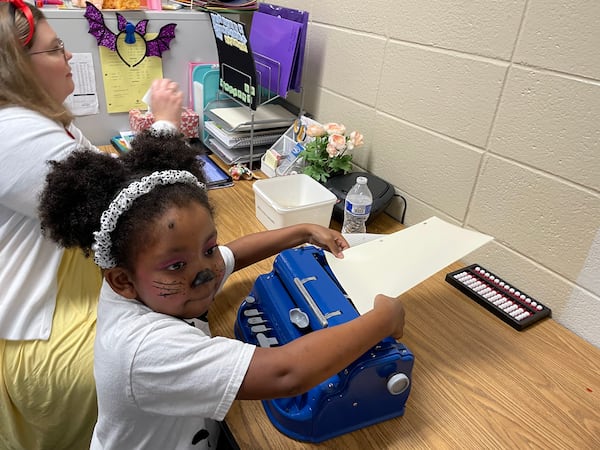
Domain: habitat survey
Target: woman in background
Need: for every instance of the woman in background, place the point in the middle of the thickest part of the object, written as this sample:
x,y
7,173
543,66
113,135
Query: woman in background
x,y
48,296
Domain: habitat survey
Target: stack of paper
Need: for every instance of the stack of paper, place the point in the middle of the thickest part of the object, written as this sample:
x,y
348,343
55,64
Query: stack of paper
x,y
239,118
234,130
232,139
232,156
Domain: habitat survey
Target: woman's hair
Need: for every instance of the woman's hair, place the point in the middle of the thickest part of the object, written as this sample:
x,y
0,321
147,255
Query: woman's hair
x,y
19,86
80,188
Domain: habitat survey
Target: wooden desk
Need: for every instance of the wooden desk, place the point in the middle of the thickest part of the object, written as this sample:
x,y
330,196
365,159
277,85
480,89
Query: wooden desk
x,y
476,382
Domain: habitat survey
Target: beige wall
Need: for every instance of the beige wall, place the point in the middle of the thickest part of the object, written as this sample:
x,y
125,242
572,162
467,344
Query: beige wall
x,y
485,114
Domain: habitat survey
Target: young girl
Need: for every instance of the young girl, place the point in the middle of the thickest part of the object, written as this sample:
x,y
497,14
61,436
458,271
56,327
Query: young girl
x,y
147,219
49,296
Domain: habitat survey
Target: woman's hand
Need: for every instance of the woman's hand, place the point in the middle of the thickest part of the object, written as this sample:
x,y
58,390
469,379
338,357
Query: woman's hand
x,y
166,101
328,239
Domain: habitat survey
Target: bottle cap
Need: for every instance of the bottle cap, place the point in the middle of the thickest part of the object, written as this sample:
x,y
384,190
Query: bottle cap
x,y
361,180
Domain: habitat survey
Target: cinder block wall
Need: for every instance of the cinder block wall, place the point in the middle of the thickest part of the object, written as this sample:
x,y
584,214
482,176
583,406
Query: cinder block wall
x,y
485,114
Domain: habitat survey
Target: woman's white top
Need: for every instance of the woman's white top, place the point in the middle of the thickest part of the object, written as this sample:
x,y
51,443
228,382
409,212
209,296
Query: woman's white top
x,y
28,262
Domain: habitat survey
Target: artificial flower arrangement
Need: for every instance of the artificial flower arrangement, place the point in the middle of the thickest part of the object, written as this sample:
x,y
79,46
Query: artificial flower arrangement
x,y
327,153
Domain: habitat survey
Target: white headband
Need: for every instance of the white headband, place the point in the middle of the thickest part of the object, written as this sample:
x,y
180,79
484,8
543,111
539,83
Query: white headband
x,y
123,201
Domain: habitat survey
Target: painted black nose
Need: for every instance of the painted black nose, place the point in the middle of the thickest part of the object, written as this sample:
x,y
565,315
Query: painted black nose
x,y
203,277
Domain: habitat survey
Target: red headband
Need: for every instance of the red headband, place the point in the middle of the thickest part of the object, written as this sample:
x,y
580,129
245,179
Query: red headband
x,y
24,8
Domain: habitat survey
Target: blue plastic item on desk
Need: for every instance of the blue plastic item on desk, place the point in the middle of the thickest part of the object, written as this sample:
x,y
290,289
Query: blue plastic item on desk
x,y
372,389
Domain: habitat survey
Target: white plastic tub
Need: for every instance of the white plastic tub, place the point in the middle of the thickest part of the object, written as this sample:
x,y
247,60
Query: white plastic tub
x,y
292,199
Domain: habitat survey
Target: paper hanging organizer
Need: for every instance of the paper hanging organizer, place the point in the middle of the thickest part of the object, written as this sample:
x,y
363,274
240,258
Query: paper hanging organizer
x,y
278,48
295,15
202,74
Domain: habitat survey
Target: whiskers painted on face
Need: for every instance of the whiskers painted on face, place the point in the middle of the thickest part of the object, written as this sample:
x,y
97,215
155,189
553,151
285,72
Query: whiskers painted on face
x,y
168,289
202,277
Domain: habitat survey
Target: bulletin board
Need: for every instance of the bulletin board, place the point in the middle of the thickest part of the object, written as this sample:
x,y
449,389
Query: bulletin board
x,y
194,42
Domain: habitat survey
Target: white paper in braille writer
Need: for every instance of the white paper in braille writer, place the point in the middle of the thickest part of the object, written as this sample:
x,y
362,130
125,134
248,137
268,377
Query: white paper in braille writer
x,y
510,304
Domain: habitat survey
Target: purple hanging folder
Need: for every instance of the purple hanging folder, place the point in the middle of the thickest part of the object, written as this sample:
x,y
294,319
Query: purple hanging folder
x,y
275,40
297,15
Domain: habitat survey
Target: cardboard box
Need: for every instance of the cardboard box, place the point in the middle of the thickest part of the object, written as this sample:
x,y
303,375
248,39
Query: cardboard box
x,y
190,121
293,199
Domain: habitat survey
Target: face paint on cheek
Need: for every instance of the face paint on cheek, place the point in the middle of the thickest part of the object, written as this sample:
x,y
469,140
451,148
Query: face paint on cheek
x,y
167,289
219,272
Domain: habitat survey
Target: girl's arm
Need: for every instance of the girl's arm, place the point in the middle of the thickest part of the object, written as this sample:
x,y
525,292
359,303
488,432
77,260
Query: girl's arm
x,y
300,365
258,246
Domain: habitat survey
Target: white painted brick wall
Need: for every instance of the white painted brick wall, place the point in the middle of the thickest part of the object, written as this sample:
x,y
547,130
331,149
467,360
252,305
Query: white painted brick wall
x,y
484,113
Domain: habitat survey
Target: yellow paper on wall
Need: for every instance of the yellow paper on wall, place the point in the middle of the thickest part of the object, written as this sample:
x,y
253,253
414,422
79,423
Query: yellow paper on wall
x,y
127,73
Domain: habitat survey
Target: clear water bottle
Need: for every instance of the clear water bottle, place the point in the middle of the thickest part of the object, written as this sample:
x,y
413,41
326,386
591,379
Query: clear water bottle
x,y
358,207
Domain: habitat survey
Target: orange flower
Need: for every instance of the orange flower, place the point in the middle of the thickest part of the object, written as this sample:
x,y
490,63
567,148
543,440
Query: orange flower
x,y
356,140
328,152
331,151
337,141
334,128
315,131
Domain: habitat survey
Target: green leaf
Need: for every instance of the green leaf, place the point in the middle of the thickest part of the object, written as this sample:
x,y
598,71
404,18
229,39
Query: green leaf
x,y
319,165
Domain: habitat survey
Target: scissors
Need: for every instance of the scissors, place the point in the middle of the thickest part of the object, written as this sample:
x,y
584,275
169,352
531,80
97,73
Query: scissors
x,y
299,130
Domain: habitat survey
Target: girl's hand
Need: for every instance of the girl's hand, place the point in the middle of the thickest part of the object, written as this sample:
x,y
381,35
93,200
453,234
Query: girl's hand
x,y
394,311
328,239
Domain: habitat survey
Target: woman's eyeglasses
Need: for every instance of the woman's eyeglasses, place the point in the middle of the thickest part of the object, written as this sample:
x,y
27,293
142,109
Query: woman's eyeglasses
x,y
59,48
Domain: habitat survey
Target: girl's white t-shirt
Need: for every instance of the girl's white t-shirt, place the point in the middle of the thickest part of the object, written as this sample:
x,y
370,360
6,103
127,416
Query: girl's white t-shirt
x,y
162,381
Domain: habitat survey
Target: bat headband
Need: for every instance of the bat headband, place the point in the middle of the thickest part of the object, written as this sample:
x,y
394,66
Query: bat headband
x,y
106,38
122,202
26,11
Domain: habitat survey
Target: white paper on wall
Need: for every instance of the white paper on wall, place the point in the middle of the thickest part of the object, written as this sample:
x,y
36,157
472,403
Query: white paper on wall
x,y
84,99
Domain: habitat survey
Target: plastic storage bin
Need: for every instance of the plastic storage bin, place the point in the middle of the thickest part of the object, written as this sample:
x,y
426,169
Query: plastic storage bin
x,y
293,199
289,146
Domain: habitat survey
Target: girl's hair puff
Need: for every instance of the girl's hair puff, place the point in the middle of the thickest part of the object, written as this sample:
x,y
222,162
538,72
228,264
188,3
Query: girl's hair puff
x,y
152,151
77,191
80,188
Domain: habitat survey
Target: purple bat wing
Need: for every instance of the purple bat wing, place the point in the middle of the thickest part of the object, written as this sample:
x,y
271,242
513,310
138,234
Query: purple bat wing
x,y
160,43
98,29
141,27
121,22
